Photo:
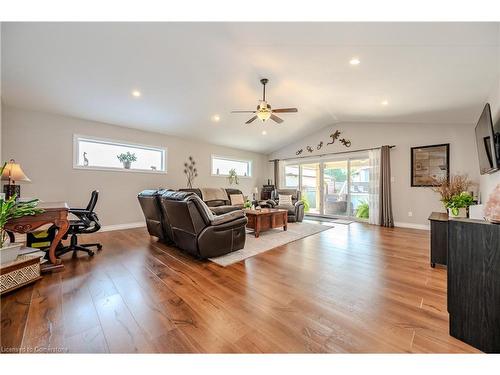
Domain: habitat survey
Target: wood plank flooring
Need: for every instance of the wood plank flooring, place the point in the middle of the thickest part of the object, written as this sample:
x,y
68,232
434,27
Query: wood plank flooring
x,y
354,288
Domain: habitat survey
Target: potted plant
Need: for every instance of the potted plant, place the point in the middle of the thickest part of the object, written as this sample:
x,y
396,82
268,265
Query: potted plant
x,y
458,204
10,209
127,159
363,210
233,177
304,200
454,194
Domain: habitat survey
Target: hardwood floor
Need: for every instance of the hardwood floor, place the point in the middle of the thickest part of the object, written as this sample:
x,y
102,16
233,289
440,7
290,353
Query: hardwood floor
x,y
354,288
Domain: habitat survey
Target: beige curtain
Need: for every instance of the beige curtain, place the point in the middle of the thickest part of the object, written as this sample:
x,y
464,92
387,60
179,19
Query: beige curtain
x,y
374,187
279,173
276,173
385,199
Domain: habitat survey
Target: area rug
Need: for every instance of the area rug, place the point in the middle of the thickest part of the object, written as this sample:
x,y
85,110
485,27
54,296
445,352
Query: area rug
x,y
269,240
331,220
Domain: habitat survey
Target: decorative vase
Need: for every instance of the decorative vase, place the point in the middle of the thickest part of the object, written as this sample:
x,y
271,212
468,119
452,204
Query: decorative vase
x,y
462,213
126,164
9,252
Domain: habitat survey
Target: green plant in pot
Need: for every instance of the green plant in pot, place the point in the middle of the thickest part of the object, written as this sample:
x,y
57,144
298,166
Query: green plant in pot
x,y
454,196
247,204
304,200
233,177
363,210
126,159
458,204
9,210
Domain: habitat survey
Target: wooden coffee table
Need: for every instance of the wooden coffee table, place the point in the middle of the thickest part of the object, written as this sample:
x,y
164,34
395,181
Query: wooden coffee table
x,y
265,219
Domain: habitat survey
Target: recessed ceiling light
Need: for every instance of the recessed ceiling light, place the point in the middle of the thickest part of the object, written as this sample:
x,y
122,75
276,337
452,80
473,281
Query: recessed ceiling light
x,y
264,132
215,118
136,93
384,102
354,61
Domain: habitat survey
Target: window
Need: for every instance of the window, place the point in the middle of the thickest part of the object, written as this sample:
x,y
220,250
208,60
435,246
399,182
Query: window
x,y
222,165
102,154
291,176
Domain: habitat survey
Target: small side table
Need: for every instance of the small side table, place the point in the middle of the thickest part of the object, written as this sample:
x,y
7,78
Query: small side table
x,y
20,272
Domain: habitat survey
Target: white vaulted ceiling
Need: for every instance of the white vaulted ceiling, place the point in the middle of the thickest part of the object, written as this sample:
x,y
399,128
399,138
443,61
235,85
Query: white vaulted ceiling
x,y
188,72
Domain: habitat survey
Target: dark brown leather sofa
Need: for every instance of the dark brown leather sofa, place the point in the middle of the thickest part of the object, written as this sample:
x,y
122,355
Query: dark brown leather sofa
x,y
218,207
186,221
150,204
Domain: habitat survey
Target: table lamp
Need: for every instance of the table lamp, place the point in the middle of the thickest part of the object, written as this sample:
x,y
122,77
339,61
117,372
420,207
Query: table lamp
x,y
13,173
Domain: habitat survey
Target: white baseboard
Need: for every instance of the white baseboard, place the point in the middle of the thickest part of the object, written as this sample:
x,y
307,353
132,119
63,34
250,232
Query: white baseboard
x,y
411,225
108,228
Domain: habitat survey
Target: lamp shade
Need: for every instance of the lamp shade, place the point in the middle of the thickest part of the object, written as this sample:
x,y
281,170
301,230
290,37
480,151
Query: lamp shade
x,y
13,172
255,190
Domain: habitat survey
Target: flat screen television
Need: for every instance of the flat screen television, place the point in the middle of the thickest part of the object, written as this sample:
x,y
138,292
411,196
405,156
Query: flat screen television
x,y
488,143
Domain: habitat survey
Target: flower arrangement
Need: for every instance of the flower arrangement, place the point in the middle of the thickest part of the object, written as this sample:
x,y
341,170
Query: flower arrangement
x,y
492,208
454,193
190,171
127,159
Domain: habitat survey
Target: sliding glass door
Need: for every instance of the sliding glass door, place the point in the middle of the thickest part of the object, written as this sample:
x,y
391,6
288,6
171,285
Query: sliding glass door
x,y
359,174
333,188
310,186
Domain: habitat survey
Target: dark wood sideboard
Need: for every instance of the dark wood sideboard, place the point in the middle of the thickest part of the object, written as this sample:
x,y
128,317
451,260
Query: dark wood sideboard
x,y
439,238
265,192
474,283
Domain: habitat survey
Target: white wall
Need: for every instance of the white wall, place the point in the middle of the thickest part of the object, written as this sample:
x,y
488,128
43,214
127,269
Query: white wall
x,y
420,201
43,144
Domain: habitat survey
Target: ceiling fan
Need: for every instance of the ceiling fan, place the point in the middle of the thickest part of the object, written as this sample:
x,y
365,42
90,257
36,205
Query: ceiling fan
x,y
264,111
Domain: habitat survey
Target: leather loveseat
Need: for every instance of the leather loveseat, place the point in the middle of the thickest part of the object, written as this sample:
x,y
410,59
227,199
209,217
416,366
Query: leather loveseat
x,y
183,219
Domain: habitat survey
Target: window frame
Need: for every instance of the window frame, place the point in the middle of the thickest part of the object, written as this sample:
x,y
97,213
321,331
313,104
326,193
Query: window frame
x,y
229,158
76,151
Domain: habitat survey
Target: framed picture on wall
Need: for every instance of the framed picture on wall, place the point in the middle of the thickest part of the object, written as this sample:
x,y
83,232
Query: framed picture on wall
x,y
429,163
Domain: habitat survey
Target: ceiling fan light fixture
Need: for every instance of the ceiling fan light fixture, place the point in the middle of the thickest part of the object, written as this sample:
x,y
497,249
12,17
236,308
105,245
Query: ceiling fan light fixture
x,y
264,115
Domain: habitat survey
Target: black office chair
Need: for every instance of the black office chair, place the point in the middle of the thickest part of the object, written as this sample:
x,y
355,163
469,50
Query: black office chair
x,y
87,222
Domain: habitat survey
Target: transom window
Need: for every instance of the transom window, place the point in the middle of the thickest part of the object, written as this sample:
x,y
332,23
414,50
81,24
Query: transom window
x,y
105,154
222,165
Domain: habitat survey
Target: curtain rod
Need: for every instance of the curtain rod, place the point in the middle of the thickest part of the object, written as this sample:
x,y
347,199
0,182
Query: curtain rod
x,y
331,153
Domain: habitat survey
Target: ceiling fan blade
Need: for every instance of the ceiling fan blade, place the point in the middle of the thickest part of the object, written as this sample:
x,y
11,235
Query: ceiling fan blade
x,y
276,119
251,120
284,110
243,111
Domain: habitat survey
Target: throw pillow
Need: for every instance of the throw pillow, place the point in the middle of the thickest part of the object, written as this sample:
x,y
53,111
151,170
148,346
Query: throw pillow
x,y
285,200
236,199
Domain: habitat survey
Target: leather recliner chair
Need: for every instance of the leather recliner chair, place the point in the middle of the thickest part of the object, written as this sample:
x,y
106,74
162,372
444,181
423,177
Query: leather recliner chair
x,y
296,210
150,204
190,224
